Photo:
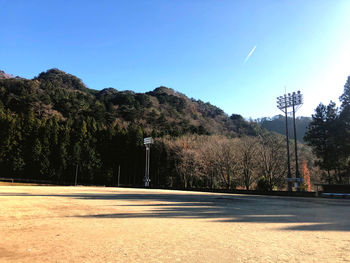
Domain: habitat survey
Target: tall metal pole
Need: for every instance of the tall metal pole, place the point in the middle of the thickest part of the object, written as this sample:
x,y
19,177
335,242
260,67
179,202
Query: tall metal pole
x,y
148,146
147,142
283,103
297,175
289,175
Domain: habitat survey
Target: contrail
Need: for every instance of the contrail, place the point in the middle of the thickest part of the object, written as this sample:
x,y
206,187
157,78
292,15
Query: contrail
x,y
250,53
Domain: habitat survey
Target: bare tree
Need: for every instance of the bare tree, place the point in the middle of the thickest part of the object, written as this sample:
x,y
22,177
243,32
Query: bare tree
x,y
226,161
272,162
218,161
247,149
186,157
208,150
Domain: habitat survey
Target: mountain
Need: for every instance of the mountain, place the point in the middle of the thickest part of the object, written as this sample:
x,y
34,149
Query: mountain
x,y
3,75
278,124
53,128
159,112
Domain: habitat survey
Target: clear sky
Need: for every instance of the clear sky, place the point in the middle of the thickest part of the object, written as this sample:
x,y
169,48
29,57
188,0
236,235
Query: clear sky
x,y
197,47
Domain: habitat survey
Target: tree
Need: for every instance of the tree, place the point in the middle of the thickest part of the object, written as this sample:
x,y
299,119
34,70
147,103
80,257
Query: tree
x,y
323,137
247,147
226,162
14,151
306,176
208,156
345,97
272,161
344,127
185,157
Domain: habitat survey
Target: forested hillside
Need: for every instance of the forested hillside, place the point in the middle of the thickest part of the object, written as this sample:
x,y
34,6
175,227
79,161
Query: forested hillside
x,y
52,123
278,124
161,111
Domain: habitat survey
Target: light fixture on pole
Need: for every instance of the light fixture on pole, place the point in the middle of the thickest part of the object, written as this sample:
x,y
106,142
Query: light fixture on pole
x,y
294,100
147,142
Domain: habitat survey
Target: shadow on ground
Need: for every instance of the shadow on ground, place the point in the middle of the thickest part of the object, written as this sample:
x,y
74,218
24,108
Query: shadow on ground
x,y
309,214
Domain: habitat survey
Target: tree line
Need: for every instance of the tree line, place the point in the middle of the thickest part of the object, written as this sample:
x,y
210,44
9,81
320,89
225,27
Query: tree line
x,y
50,149
53,124
219,162
329,136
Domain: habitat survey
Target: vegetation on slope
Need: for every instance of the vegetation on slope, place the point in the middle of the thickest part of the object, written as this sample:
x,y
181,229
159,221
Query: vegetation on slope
x,y
52,124
159,112
278,124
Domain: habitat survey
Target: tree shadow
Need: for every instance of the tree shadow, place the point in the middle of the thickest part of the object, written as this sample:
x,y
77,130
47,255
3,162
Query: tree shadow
x,y
309,214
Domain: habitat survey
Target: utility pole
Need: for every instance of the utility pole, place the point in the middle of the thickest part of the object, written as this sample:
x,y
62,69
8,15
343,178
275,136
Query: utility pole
x,y
283,103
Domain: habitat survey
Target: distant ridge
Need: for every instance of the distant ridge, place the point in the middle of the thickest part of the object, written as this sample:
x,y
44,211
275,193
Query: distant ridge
x,y
278,124
159,112
4,75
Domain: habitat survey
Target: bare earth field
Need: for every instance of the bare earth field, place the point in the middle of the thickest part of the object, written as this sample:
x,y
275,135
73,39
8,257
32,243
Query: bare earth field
x,y
92,224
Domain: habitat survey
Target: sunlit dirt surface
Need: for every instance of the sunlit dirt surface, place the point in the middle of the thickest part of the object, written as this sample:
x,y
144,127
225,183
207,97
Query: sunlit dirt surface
x,y
91,224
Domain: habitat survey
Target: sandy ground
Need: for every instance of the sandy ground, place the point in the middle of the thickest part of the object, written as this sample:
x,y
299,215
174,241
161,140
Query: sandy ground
x,y
90,224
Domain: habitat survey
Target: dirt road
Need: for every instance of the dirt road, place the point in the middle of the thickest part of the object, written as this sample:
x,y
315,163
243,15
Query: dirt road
x,y
90,224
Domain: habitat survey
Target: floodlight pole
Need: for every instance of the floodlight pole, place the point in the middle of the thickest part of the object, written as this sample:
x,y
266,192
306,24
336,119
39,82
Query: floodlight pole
x,y
148,147
283,103
289,175
297,175
147,142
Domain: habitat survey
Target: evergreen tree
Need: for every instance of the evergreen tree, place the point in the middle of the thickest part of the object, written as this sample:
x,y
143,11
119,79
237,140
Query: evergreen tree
x,y
344,127
323,137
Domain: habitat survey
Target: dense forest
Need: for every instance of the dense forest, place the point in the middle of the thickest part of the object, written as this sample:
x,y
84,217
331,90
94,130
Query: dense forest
x,y
53,125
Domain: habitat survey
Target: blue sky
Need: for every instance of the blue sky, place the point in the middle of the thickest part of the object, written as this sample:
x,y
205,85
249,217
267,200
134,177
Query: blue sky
x,y
197,47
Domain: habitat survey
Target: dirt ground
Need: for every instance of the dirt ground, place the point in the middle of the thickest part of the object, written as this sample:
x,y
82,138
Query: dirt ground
x,y
91,224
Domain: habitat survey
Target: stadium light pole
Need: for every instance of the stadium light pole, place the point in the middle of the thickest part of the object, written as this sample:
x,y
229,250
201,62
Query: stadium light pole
x,y
294,100
297,101
147,142
282,105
